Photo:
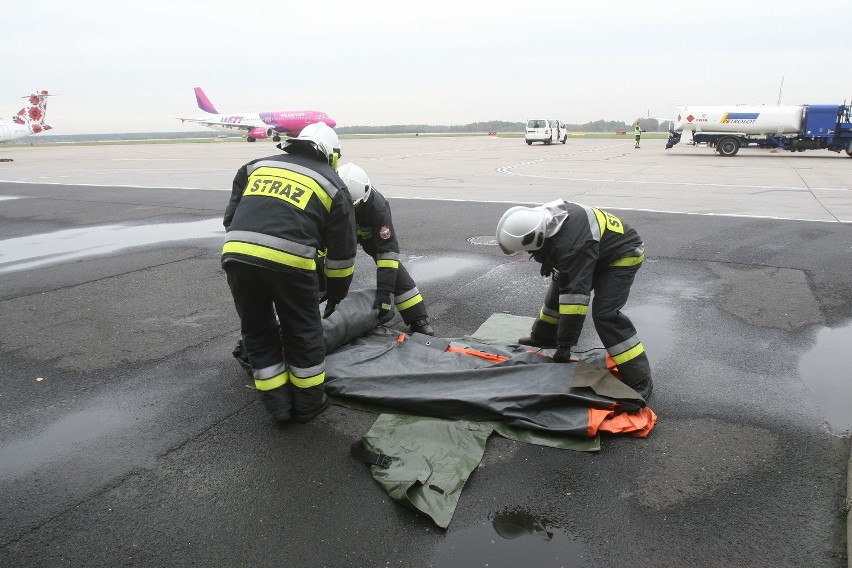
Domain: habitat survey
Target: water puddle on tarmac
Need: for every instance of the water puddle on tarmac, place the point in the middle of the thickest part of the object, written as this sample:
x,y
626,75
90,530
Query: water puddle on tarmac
x,y
438,268
65,437
34,251
825,371
510,539
653,323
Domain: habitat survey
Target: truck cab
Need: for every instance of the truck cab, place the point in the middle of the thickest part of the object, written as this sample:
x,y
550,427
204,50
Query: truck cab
x,y
545,130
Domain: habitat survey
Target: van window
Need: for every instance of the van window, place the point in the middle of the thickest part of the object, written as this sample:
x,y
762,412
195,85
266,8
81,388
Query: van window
x,y
537,124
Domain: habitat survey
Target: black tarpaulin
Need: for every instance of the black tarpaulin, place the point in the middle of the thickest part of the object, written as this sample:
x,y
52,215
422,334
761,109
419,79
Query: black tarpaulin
x,y
466,380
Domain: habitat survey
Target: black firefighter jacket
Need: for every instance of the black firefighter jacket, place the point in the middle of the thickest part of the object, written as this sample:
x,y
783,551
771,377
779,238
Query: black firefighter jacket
x,y
283,209
378,238
589,241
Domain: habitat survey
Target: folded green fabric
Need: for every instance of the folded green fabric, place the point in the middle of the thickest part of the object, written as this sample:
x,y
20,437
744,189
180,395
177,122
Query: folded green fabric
x,y
432,458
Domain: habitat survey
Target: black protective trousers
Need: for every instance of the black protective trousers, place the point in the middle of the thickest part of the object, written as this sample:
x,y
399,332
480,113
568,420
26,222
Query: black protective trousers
x,y
407,295
292,295
611,287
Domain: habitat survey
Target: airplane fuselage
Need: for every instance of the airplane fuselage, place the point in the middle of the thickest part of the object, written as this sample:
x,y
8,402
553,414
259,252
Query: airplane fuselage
x,y
288,122
13,131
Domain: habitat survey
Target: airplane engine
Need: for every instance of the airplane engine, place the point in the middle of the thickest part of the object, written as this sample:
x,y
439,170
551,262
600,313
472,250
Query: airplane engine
x,y
259,133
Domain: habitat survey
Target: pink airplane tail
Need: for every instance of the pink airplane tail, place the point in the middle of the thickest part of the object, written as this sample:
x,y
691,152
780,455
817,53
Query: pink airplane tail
x,y
34,113
203,102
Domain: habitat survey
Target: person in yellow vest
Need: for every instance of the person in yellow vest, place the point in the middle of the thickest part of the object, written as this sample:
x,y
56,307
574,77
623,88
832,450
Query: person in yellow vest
x,y
637,134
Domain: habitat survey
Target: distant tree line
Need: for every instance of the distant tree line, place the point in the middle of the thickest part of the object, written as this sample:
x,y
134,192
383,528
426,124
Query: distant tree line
x,y
646,124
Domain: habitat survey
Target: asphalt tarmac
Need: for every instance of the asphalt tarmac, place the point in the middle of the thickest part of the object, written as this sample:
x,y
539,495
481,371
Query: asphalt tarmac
x,y
128,435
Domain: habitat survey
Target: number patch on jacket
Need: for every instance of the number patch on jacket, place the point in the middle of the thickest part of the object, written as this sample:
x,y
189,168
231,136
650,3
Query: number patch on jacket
x,y
613,223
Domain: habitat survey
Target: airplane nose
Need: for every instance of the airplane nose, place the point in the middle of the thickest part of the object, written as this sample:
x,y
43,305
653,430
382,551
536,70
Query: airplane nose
x,y
330,122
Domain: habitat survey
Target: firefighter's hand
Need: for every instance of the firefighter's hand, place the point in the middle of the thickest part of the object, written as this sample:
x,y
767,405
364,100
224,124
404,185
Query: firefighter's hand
x,y
563,354
546,270
383,304
329,309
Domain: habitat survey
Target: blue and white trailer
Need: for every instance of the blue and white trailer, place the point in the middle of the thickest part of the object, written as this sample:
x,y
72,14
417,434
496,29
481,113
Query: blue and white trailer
x,y
793,128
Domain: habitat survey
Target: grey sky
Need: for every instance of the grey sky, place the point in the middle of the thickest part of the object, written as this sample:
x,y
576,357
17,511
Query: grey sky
x,y
131,66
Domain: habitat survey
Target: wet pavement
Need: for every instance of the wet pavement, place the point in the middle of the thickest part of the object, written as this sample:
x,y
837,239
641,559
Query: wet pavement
x,y
128,436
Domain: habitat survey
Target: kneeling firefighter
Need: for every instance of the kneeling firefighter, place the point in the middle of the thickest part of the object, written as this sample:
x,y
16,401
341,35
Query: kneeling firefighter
x,y
583,248
377,237
283,209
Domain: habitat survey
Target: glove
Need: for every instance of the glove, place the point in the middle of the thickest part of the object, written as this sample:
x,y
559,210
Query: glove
x,y
563,354
546,269
329,309
383,304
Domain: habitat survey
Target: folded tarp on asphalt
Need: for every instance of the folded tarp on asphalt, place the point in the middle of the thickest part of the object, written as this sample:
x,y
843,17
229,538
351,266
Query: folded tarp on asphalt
x,y
470,380
439,400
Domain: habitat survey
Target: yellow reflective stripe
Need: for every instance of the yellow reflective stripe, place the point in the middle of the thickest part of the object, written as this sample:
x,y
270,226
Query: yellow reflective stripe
x,y
573,309
308,381
339,272
628,261
629,354
321,253
270,254
387,264
272,382
547,319
366,233
410,302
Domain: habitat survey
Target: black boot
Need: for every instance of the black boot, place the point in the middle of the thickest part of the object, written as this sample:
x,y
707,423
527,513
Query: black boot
x,y
421,326
278,403
309,403
644,388
537,341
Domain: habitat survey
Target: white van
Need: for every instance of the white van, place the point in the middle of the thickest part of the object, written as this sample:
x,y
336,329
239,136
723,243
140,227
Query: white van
x,y
545,130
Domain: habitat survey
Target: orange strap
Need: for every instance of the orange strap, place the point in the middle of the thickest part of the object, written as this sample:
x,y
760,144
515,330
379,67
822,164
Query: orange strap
x,y
476,353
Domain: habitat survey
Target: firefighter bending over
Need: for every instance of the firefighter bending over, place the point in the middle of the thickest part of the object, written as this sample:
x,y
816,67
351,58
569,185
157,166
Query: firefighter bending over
x,y
378,238
284,208
583,248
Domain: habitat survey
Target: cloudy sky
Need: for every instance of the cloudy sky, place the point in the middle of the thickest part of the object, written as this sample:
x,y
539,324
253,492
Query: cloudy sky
x,y
132,66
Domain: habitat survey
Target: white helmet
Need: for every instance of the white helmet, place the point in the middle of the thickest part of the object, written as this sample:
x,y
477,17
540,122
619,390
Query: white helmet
x,y
356,180
322,136
522,228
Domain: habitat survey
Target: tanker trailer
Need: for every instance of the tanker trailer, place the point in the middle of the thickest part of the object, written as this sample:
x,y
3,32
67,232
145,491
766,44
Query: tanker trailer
x,y
793,128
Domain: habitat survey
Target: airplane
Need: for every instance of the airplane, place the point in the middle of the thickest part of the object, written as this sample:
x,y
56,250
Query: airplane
x,y
258,125
29,120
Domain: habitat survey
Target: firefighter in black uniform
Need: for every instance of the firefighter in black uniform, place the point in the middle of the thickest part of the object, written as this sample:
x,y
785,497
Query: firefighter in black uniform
x,y
583,248
378,238
283,209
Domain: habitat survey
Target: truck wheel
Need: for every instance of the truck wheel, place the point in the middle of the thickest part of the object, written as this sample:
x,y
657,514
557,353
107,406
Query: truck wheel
x,y
564,139
728,147
849,153
529,142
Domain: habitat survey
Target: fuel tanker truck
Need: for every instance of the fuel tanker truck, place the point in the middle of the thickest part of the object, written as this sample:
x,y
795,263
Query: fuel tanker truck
x,y
793,128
